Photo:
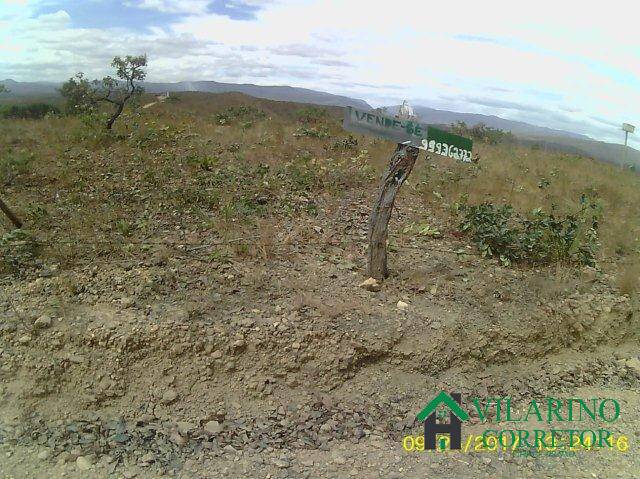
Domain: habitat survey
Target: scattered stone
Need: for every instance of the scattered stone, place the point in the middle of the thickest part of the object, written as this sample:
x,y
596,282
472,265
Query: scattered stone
x,y
127,302
177,439
370,284
26,339
402,306
121,438
338,459
84,463
147,459
169,396
76,358
44,454
281,463
185,427
216,354
43,322
64,457
213,427
230,449
634,365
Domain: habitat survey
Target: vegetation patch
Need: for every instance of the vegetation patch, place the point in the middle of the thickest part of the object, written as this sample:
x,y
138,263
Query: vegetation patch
x,y
12,164
18,251
243,115
311,114
31,111
538,238
311,132
483,133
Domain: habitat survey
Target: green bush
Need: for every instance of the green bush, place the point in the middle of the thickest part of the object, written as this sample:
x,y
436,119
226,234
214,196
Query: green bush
x,y
483,133
540,238
18,251
32,111
311,114
13,164
244,114
311,132
349,143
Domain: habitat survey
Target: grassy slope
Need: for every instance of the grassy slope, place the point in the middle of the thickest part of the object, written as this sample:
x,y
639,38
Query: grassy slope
x,y
178,172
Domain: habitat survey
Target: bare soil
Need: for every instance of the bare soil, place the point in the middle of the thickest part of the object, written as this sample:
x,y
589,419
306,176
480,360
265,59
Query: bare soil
x,y
168,359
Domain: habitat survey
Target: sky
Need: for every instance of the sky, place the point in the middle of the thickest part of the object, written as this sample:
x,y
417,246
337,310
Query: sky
x,y
568,65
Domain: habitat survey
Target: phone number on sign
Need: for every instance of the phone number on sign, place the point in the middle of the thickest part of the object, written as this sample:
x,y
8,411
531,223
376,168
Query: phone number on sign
x,y
445,149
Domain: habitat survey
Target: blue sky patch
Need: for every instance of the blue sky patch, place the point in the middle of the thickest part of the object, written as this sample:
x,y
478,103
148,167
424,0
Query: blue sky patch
x,y
235,10
103,14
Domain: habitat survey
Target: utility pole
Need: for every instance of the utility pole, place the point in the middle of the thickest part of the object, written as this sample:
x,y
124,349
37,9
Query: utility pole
x,y
627,128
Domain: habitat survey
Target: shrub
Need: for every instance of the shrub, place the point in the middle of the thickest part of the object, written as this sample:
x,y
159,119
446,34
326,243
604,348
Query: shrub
x,y
483,133
13,164
31,111
311,114
311,132
349,143
18,251
244,114
541,238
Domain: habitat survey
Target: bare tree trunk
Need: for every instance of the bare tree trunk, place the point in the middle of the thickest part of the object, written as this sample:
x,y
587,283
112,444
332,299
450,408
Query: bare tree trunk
x,y
115,115
399,168
14,219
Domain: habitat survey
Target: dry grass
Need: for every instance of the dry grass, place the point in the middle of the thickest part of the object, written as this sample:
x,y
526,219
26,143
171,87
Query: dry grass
x,y
173,173
529,179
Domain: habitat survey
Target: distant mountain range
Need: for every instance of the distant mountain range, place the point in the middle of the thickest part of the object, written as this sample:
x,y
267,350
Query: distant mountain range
x,y
556,140
431,115
281,93
36,88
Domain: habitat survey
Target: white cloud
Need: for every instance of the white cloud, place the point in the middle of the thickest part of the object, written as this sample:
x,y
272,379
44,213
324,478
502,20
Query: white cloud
x,y
572,62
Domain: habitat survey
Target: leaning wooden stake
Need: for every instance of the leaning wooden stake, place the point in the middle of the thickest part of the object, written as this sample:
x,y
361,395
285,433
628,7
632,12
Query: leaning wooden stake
x,y
399,168
14,219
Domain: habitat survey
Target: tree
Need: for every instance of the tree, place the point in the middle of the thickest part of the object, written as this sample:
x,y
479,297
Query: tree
x,y
84,95
3,88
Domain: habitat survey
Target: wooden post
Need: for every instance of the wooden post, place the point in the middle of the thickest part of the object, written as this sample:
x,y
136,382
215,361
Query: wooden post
x,y
399,168
14,219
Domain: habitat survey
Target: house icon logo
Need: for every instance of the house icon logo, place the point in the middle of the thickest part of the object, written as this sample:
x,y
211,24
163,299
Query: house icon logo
x,y
452,402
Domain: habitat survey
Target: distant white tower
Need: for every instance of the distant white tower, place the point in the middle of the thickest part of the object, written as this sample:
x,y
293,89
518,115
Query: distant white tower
x,y
406,111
